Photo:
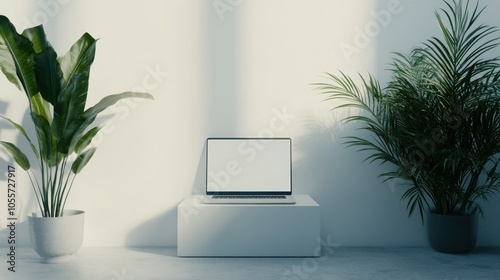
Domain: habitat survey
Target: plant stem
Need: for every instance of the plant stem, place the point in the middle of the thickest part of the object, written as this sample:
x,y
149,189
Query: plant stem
x,y
60,191
69,190
35,190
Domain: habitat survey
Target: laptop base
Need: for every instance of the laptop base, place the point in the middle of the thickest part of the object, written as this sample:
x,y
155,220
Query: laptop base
x,y
287,200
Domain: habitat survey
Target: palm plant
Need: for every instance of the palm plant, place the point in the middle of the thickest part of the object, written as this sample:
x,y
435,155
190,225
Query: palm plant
x,y
438,118
56,89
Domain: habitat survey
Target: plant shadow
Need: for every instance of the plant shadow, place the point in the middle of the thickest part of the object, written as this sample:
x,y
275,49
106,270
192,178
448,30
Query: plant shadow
x,y
352,198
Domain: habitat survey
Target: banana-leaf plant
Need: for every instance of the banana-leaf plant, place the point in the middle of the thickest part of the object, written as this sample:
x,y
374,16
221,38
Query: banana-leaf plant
x,y
438,119
56,90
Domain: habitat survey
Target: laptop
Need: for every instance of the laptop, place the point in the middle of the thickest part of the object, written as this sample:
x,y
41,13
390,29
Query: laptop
x,y
249,171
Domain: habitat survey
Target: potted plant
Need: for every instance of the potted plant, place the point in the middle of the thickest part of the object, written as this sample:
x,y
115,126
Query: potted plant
x,y
56,90
437,121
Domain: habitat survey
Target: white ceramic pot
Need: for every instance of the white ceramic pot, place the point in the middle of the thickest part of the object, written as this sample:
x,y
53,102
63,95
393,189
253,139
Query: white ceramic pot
x,y
57,239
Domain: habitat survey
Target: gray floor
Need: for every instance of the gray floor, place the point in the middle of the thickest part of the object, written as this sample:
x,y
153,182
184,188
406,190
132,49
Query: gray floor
x,y
335,263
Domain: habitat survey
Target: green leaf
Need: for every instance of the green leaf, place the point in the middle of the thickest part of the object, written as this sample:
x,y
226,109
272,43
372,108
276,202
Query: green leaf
x,y
44,133
75,68
40,106
48,74
16,57
86,140
20,158
23,132
77,127
112,99
37,36
78,59
70,104
82,160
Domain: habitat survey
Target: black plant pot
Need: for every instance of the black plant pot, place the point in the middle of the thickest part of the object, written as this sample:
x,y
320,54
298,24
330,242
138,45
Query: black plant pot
x,y
453,234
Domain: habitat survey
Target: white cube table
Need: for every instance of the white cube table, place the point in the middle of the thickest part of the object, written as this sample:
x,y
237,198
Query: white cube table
x,y
248,230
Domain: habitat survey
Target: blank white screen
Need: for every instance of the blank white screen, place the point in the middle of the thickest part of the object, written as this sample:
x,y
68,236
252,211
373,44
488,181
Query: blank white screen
x,y
248,165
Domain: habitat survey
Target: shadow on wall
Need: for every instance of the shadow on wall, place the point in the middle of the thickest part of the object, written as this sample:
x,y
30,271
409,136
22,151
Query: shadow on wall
x,y
489,227
3,127
315,155
200,177
357,209
222,77
25,198
20,234
221,70
319,171
161,230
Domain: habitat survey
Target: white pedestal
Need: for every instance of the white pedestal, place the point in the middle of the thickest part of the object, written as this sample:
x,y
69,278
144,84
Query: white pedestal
x,y
251,230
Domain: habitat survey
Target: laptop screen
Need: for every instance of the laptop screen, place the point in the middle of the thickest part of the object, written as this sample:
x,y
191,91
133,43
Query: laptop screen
x,y
249,165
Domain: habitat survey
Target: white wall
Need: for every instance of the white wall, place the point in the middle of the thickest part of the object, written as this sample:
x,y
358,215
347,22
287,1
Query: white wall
x,y
230,72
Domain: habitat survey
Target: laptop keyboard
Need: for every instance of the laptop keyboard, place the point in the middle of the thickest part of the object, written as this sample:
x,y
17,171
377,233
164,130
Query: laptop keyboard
x,y
249,197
